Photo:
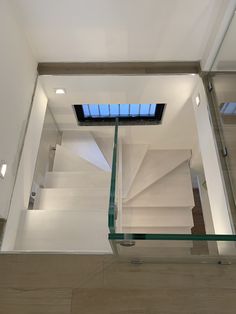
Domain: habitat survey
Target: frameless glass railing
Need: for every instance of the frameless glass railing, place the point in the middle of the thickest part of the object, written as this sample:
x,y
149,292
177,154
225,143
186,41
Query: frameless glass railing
x,y
225,59
221,93
149,244
178,247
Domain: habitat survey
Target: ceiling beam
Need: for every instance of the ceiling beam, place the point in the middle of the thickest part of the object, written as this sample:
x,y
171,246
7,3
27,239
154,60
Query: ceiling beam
x,y
118,68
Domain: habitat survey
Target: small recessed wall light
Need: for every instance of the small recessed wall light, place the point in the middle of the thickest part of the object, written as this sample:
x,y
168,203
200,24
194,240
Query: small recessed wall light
x,y
3,169
60,91
197,99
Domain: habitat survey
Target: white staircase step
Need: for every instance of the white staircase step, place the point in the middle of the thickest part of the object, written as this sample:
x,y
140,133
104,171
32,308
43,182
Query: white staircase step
x,y
173,190
67,161
83,231
156,230
73,199
133,156
156,249
78,179
157,217
155,165
83,144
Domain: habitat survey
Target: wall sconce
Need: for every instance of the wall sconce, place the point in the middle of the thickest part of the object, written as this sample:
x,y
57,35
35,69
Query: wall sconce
x,y
60,91
197,99
3,169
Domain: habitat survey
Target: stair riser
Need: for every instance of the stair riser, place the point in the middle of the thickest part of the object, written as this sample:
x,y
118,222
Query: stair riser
x,y
157,217
132,159
156,165
77,180
73,199
83,232
153,230
173,190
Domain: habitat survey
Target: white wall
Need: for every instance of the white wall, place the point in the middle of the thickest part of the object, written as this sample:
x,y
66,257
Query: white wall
x,y
17,77
215,185
86,147
49,138
25,172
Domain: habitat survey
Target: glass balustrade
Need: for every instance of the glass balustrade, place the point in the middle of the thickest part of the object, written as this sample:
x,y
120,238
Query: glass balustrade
x,y
139,244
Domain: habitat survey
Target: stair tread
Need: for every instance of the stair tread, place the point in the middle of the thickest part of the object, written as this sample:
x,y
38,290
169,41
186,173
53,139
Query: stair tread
x,y
155,165
160,229
63,231
156,207
173,190
158,224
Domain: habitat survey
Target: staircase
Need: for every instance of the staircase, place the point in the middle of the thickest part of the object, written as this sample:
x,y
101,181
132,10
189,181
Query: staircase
x,y
71,210
158,198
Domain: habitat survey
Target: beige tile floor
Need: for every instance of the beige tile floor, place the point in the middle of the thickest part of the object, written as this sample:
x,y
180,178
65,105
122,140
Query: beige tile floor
x,y
42,284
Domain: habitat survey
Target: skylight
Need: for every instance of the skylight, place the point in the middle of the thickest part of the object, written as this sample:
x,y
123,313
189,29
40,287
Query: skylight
x,y
119,110
228,108
127,113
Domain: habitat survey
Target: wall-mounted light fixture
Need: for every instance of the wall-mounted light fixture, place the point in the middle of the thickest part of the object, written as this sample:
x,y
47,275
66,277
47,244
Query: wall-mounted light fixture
x,y
197,99
3,169
60,91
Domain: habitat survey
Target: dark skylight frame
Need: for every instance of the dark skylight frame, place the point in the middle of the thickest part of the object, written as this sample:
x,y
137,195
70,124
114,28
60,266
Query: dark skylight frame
x,y
128,114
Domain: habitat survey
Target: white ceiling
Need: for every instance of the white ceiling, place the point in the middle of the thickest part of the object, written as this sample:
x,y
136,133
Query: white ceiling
x,y
124,30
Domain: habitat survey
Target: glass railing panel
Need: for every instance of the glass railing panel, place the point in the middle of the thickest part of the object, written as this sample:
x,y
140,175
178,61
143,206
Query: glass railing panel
x,y
182,248
225,109
112,211
220,86
226,57
149,242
